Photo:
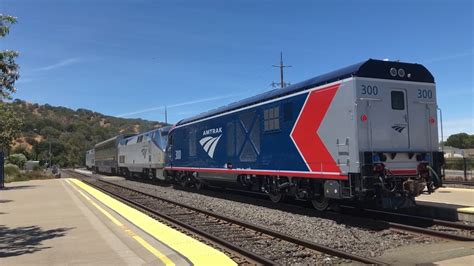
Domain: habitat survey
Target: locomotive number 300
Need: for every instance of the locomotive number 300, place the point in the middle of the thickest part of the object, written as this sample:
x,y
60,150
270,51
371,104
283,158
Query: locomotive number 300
x,y
369,90
427,94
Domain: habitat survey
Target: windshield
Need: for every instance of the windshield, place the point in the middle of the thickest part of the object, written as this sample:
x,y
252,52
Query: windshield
x,y
161,138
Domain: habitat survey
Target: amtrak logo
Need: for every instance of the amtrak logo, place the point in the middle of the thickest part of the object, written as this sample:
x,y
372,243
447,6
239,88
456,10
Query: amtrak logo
x,y
399,129
212,131
209,144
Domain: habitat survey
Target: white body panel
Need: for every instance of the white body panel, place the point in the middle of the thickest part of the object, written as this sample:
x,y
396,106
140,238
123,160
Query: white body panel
x,y
140,152
403,126
90,159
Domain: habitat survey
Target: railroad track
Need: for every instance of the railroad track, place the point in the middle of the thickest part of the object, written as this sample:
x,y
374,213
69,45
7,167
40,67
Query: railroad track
x,y
405,222
260,244
422,225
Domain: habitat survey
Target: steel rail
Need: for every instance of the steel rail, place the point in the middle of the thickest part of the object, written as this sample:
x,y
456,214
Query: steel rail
x,y
425,219
413,219
431,232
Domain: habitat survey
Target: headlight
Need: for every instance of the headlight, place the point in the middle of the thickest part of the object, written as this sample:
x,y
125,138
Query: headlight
x,y
401,72
393,71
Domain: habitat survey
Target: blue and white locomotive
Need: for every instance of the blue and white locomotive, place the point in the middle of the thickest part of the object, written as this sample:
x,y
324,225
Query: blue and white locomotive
x,y
365,132
143,154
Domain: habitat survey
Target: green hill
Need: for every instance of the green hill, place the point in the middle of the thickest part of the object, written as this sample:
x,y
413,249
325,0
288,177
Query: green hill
x,y
70,132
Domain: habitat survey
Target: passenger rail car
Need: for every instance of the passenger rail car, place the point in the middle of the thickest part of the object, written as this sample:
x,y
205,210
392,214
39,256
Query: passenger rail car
x,y
106,155
143,154
364,132
90,157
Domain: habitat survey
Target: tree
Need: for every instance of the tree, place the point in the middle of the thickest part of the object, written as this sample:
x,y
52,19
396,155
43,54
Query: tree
x,y
461,141
9,69
10,126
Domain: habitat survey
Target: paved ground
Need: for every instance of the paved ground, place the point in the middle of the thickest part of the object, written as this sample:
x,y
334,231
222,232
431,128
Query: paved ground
x,y
455,196
57,222
456,251
45,222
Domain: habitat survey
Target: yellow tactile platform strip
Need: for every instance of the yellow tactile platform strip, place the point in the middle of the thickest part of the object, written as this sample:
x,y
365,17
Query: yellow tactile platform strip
x,y
468,210
196,252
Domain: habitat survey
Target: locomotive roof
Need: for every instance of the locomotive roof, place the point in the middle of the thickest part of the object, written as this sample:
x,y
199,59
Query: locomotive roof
x,y
112,139
370,68
165,128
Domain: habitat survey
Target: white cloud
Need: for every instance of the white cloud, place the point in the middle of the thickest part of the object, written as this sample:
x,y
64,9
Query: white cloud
x,y
449,57
162,107
62,63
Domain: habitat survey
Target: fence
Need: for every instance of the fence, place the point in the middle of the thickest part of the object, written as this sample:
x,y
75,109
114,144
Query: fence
x,y
459,168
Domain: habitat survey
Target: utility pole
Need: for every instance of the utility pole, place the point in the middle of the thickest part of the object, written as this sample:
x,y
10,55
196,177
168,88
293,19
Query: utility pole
x,y
49,154
166,115
281,66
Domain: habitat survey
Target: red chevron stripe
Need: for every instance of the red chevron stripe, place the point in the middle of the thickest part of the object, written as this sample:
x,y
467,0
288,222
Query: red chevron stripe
x,y
305,132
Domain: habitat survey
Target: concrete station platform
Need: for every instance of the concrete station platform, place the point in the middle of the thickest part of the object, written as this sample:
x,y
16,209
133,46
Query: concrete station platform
x,y
448,203
64,221
107,177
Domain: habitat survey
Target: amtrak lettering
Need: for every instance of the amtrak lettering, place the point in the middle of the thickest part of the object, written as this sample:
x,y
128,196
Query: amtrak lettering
x,y
212,131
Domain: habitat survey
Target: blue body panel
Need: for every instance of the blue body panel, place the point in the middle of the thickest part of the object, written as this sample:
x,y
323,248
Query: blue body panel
x,y
250,146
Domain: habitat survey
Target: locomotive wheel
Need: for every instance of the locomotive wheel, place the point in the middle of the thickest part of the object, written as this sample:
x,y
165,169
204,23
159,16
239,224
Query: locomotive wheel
x,y
320,203
199,185
183,180
277,197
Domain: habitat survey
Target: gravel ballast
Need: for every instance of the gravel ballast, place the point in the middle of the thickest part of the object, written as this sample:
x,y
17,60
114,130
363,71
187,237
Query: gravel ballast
x,y
359,236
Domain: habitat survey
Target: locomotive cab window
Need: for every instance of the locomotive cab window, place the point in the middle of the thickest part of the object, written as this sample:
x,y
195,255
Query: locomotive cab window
x,y
398,100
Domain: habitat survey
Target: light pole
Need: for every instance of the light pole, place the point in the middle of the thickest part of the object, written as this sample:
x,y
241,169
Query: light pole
x,y
35,147
49,154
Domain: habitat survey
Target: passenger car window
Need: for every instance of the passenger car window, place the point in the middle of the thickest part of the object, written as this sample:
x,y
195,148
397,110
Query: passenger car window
x,y
398,100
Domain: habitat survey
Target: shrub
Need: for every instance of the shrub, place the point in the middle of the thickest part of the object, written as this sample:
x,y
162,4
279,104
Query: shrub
x,y
17,159
32,175
12,172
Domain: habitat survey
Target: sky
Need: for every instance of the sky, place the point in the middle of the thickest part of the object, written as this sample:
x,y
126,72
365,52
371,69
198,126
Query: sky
x,y
130,58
